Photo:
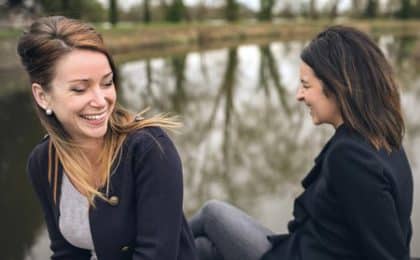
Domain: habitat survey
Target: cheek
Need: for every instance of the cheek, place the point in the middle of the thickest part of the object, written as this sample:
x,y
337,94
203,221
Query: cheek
x,y
329,109
112,95
70,107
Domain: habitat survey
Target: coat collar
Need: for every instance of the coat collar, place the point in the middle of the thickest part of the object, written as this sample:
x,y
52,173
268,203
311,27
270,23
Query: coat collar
x,y
314,172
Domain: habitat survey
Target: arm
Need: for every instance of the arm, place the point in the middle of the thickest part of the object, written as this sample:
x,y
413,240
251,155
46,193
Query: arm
x,y
159,194
367,203
61,249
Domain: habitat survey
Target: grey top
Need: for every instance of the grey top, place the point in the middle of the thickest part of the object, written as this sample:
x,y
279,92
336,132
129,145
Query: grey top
x,y
74,217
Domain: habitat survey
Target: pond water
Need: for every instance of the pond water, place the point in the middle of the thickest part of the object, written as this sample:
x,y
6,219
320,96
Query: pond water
x,y
245,139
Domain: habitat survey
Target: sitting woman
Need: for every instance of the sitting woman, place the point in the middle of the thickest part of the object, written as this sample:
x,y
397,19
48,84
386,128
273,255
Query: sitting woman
x,y
110,183
358,197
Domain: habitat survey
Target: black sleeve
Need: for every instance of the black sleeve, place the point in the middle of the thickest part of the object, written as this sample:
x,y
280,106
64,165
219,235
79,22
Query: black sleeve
x,y
61,249
365,197
159,194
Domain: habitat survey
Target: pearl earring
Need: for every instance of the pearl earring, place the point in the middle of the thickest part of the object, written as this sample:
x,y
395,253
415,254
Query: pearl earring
x,y
48,111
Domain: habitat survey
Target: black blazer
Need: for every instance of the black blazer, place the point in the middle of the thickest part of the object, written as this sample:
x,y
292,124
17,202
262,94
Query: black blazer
x,y
145,220
356,204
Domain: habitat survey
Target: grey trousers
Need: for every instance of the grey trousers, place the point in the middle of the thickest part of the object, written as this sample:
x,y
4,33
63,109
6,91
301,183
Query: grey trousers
x,y
222,231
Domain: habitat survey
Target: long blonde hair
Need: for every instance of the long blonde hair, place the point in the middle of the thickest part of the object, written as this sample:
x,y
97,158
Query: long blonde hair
x,y
78,168
47,40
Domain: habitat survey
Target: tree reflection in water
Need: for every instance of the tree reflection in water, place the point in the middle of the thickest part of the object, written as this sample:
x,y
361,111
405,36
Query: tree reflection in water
x,y
238,144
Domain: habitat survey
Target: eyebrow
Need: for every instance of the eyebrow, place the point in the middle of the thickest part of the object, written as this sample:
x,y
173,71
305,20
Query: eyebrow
x,y
87,80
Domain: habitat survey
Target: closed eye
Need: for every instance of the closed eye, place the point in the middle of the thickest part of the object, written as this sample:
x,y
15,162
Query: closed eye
x,y
77,90
109,83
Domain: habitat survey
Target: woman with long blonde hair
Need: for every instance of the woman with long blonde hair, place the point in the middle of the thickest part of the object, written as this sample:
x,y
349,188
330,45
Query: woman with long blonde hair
x,y
109,182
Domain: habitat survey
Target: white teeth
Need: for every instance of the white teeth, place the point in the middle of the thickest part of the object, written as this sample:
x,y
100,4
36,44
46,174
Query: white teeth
x,y
94,117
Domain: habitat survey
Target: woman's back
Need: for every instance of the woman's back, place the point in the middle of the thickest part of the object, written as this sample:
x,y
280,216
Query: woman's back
x,y
351,194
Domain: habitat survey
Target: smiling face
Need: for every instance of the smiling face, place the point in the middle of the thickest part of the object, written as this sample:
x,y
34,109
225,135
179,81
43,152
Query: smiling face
x,y
82,94
323,109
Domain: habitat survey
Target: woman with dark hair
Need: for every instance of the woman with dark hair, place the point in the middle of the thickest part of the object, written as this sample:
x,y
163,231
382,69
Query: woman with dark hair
x,y
109,182
358,197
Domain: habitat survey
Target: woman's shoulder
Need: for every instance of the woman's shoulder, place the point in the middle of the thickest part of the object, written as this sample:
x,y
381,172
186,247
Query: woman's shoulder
x,y
151,145
352,156
350,143
40,151
352,159
351,150
146,134
147,137
38,157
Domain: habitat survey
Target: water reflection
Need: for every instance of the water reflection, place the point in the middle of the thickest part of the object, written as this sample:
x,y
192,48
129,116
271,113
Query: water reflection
x,y
243,130
268,70
20,214
245,138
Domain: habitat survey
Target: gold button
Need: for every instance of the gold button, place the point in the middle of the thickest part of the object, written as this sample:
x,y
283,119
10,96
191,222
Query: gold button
x,y
113,201
125,248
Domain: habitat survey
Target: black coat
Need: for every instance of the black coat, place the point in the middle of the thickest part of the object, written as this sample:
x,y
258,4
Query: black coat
x,y
147,220
356,204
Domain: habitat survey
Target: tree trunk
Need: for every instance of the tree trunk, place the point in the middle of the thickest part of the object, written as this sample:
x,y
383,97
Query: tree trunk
x,y
334,10
312,9
405,10
371,9
265,13
147,16
231,10
113,12
176,11
356,8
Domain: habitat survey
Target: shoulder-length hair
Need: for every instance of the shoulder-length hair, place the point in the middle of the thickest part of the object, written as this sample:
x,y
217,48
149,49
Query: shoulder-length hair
x,y
356,73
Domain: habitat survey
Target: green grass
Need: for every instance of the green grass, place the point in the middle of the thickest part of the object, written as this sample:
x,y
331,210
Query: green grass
x,y
10,33
137,28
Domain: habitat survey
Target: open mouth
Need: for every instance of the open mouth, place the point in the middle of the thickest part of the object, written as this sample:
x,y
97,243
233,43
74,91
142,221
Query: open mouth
x,y
95,119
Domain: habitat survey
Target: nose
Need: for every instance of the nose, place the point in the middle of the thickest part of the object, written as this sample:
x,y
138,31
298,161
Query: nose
x,y
98,97
299,94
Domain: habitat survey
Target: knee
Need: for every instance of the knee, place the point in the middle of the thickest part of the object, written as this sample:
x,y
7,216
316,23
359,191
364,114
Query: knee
x,y
213,208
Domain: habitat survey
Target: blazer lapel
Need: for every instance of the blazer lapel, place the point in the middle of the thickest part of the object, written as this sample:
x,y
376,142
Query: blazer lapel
x,y
314,172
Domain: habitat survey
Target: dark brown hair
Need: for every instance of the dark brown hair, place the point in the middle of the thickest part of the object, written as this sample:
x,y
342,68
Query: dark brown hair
x,y
356,73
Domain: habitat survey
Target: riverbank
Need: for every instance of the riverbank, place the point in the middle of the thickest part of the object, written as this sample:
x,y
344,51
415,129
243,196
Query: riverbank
x,y
129,38
136,41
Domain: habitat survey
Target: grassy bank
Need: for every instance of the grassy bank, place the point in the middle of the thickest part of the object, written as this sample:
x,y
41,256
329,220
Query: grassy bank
x,y
133,37
138,37
137,41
